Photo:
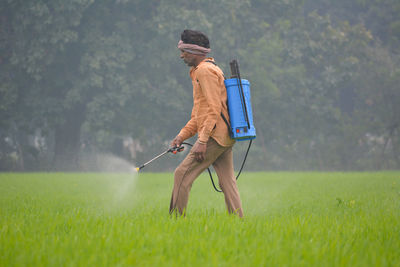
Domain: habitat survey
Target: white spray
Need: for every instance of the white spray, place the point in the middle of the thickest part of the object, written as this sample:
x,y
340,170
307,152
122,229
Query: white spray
x,y
121,176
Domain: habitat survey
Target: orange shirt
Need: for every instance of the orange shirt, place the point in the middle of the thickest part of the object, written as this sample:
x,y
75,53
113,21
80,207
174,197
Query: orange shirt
x,y
209,100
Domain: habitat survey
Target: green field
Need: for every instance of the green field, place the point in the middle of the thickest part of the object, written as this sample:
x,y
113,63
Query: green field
x,y
291,219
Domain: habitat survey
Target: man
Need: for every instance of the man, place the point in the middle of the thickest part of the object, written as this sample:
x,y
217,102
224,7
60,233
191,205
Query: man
x,y
213,145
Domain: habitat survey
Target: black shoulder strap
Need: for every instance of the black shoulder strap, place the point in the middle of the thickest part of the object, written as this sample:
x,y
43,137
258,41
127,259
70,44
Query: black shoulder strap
x,y
226,122
212,62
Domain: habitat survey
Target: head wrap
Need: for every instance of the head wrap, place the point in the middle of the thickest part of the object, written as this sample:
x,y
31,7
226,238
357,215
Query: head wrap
x,y
193,49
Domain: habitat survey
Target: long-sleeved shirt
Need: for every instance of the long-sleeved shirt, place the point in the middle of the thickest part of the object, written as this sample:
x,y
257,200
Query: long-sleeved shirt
x,y
209,100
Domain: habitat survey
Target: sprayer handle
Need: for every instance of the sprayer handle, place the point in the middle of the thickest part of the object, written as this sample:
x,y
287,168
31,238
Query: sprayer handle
x,y
176,149
234,66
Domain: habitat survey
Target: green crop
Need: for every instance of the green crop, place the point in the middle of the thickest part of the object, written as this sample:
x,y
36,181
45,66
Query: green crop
x,y
291,219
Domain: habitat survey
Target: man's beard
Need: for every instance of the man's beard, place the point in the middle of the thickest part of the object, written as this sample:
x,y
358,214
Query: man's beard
x,y
189,63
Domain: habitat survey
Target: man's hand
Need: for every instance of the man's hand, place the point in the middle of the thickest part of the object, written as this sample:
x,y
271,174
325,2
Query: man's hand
x,y
199,151
177,142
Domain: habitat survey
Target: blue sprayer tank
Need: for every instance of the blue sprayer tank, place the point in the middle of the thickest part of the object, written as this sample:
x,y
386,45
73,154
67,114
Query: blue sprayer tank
x,y
239,103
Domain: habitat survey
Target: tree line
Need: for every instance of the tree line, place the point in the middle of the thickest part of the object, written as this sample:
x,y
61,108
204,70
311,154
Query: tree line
x,y
85,76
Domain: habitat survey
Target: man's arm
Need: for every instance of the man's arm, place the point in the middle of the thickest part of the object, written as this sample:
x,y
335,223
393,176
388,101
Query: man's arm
x,y
189,130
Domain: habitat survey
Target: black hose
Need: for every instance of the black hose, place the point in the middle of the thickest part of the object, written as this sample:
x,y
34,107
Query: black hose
x,y
244,160
209,172
240,171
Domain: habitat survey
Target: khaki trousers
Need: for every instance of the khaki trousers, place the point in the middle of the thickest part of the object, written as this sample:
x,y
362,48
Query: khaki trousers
x,y
222,160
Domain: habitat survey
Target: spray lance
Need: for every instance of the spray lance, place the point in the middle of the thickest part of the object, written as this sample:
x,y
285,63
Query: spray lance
x,y
172,150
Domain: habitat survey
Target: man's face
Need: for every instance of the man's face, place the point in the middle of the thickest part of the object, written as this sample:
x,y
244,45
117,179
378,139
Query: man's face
x,y
188,58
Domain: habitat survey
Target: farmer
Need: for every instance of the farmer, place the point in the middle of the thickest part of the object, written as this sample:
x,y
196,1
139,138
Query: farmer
x,y
213,145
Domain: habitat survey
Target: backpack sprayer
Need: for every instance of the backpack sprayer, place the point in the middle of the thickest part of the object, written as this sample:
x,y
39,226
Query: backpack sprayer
x,y
240,123
239,106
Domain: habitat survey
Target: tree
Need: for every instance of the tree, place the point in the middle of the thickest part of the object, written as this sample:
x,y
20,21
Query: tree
x,y
92,73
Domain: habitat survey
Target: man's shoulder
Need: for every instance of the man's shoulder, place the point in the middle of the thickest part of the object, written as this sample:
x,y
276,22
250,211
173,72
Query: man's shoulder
x,y
208,67
208,62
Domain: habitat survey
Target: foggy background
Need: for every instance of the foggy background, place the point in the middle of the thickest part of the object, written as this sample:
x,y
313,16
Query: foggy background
x,y
81,79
